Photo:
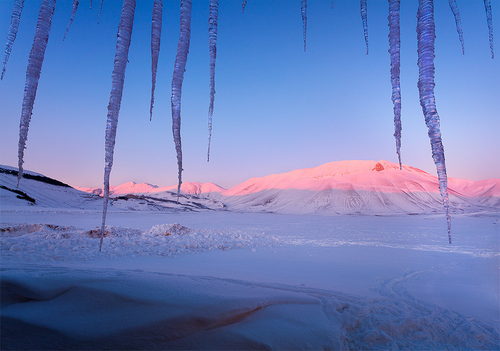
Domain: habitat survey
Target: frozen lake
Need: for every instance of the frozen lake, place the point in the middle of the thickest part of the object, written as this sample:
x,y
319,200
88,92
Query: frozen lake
x,y
403,258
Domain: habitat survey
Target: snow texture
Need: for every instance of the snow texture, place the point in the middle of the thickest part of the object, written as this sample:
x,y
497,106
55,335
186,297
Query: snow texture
x,y
489,19
212,49
243,4
458,22
11,36
35,62
426,37
118,77
363,4
156,24
73,12
303,10
394,51
178,78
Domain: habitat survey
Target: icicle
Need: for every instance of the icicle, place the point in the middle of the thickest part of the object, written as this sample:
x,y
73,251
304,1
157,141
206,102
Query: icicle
x,y
426,37
115,98
363,4
73,12
243,6
14,24
35,61
489,19
212,49
177,79
332,4
303,10
394,51
91,4
458,22
156,23
100,9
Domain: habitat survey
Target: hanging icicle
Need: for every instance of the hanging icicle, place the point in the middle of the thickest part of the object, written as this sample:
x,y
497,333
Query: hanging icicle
x,y
364,19
35,62
73,12
489,19
115,98
458,22
212,49
11,36
243,6
100,9
394,51
426,37
177,79
156,23
303,10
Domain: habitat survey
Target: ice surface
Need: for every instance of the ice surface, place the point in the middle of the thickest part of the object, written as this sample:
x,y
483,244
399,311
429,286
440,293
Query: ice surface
x,y
394,51
156,24
212,49
118,77
426,37
73,12
11,36
177,79
458,22
35,62
355,282
363,4
489,19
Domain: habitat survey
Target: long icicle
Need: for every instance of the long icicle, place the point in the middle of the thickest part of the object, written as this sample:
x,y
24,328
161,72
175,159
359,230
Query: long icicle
x,y
11,36
394,51
303,10
35,62
458,23
100,9
243,4
426,37
115,98
156,24
73,12
363,4
177,79
489,19
212,49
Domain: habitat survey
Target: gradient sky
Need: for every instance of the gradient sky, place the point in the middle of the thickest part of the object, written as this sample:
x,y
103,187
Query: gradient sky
x,y
276,107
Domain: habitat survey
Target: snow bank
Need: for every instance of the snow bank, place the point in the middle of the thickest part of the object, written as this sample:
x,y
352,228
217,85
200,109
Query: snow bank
x,y
108,309
46,242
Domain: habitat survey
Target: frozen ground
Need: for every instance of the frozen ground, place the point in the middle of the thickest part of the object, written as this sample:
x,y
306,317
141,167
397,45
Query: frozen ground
x,y
222,280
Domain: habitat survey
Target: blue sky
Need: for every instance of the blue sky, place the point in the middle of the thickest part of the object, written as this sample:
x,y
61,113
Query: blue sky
x,y
276,107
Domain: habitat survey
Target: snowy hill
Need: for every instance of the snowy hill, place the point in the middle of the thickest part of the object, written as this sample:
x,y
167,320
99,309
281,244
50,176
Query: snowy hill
x,y
360,187
38,190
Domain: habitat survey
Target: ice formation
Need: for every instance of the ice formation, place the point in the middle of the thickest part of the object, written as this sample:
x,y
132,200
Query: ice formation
x,y
426,37
487,7
156,23
177,79
35,62
394,51
243,4
100,9
73,12
212,48
11,36
115,98
458,22
303,10
363,4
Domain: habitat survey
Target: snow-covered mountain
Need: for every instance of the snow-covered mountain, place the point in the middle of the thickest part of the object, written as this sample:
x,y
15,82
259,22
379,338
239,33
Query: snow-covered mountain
x,y
360,187
341,187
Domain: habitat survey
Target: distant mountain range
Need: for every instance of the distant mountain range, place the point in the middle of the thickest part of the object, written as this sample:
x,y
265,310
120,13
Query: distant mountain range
x,y
342,187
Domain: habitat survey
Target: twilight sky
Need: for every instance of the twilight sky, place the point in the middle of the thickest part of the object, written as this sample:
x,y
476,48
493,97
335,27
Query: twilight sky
x,y
277,108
